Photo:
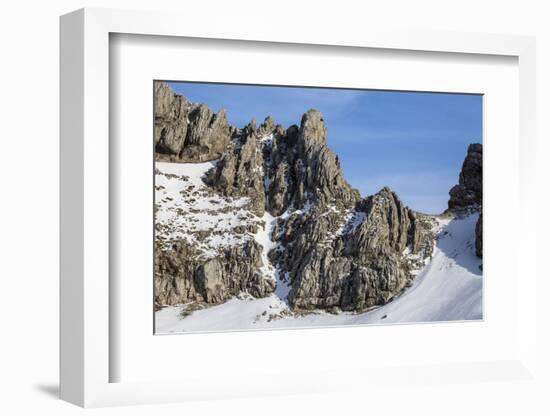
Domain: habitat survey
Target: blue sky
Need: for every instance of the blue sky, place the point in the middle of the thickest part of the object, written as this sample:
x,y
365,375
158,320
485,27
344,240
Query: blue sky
x,y
414,143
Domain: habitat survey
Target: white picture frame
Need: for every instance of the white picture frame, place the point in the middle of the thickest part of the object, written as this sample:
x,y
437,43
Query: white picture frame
x,y
86,356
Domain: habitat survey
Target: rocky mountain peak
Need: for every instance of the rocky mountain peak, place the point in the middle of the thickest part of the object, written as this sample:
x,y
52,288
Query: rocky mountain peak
x,y
250,128
469,191
282,169
312,130
385,192
332,248
186,132
318,173
267,127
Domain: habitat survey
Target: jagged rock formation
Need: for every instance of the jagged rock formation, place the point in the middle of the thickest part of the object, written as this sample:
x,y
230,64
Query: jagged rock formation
x,y
294,167
187,132
352,261
333,249
240,170
469,191
468,194
214,280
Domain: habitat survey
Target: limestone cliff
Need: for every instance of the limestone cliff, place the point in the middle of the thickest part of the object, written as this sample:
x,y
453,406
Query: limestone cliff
x,y
283,216
187,132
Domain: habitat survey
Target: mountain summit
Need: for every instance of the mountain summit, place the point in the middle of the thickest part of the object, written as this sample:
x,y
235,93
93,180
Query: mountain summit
x,y
263,210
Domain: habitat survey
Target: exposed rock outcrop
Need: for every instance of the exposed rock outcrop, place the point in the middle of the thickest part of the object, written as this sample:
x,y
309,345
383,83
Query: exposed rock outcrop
x,y
303,170
240,170
284,168
468,194
187,132
182,276
335,250
479,236
469,191
171,112
355,261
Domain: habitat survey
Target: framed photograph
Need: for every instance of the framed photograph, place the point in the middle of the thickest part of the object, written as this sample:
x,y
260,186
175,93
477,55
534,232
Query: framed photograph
x,y
319,214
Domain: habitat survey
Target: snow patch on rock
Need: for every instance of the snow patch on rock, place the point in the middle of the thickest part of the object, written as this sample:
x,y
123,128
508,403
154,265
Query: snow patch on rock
x,y
185,208
448,288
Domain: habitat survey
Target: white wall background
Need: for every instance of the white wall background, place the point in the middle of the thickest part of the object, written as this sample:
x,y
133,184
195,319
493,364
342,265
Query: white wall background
x,y
29,57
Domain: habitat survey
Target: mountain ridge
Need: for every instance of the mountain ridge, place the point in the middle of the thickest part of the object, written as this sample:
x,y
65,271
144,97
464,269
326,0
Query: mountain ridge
x,y
325,246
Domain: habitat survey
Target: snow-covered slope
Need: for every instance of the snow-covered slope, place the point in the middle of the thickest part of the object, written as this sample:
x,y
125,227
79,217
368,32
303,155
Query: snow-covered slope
x,y
448,288
187,209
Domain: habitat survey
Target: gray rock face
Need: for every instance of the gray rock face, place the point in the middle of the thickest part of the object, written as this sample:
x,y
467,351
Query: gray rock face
x,y
181,275
335,250
468,194
302,169
479,236
320,174
280,169
240,171
187,132
355,262
469,191
171,112
207,137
